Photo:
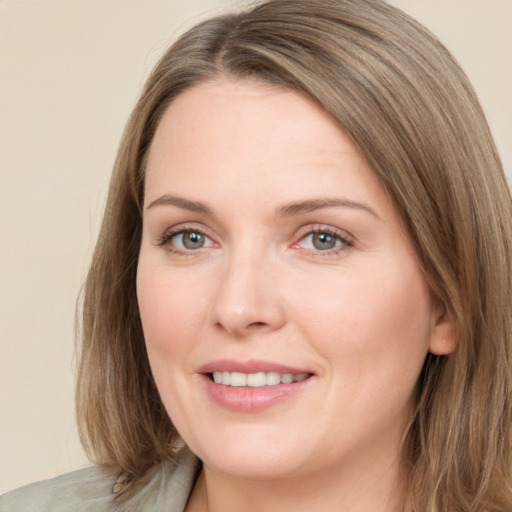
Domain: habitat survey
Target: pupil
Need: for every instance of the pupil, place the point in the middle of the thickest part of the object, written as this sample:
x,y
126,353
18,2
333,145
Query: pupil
x,y
193,240
323,241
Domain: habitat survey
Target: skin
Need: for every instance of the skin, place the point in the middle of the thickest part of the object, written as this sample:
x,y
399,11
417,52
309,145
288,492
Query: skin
x,y
359,316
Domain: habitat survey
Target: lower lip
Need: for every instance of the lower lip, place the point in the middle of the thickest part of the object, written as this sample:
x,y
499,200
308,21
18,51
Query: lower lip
x,y
249,399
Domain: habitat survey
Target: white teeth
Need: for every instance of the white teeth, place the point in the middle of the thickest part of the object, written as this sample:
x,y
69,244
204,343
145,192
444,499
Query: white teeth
x,y
256,380
273,378
238,379
287,378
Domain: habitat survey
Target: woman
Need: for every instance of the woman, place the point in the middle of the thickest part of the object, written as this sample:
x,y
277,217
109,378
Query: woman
x,y
300,296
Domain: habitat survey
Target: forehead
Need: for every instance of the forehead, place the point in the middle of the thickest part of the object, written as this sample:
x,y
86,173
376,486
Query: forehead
x,y
231,135
230,112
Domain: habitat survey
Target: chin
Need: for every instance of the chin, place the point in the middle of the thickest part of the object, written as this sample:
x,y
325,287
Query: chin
x,y
263,469
251,460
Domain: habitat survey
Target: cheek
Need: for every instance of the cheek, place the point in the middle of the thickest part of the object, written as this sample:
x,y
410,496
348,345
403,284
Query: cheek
x,y
170,314
379,320
170,295
169,310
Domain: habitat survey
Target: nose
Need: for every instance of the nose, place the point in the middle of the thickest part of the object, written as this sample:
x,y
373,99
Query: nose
x,y
248,299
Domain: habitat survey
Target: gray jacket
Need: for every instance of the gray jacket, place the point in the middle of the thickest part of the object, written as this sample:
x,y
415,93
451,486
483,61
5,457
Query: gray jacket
x,y
91,489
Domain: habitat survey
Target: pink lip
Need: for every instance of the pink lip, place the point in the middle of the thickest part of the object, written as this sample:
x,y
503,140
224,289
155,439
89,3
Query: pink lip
x,y
251,366
248,399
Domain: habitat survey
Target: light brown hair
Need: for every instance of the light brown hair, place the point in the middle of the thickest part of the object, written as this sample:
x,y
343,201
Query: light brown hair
x,y
403,100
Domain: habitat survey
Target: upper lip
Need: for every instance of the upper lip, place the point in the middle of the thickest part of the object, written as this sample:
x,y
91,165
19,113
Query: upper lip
x,y
250,366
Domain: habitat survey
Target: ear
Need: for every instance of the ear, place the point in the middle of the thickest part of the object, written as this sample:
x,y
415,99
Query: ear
x,y
443,338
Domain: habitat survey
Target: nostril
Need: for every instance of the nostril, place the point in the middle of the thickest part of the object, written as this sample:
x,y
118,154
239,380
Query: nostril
x,y
256,325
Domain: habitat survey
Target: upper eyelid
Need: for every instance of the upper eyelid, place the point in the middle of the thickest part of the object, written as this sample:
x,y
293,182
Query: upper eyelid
x,y
188,227
347,240
173,231
300,233
320,228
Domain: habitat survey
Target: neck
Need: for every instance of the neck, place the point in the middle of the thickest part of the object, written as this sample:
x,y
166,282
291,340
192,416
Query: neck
x,y
368,488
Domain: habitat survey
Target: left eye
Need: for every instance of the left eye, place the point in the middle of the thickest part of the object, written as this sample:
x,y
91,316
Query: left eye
x,y
322,241
190,240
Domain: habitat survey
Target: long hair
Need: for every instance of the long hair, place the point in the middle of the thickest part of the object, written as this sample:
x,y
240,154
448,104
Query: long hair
x,y
395,90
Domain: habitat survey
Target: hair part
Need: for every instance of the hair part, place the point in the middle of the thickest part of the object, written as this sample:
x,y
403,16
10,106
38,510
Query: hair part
x,y
405,103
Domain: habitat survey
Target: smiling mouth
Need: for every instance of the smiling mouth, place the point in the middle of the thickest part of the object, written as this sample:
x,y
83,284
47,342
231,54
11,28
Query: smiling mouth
x,y
256,380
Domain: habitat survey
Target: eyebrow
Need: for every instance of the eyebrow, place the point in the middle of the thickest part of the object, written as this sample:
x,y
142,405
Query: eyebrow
x,y
288,210
310,205
180,202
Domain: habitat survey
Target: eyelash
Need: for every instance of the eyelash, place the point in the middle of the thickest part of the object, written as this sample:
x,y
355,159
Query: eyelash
x,y
164,241
345,241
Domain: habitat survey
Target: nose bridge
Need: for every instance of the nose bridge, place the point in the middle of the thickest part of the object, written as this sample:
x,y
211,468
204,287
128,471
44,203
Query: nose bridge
x,y
247,296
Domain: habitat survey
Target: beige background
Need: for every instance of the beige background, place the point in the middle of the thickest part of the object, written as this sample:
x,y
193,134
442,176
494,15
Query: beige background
x,y
70,71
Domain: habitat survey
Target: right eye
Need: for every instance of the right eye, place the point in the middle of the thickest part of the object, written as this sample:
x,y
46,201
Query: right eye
x,y
185,240
190,240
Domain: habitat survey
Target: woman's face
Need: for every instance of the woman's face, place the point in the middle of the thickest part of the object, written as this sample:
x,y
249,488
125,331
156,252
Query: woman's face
x,y
285,314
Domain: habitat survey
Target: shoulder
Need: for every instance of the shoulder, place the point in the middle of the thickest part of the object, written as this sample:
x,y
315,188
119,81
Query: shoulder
x,y
85,489
91,489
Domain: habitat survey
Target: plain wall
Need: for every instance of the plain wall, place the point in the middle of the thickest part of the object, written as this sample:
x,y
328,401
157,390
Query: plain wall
x,y
70,72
